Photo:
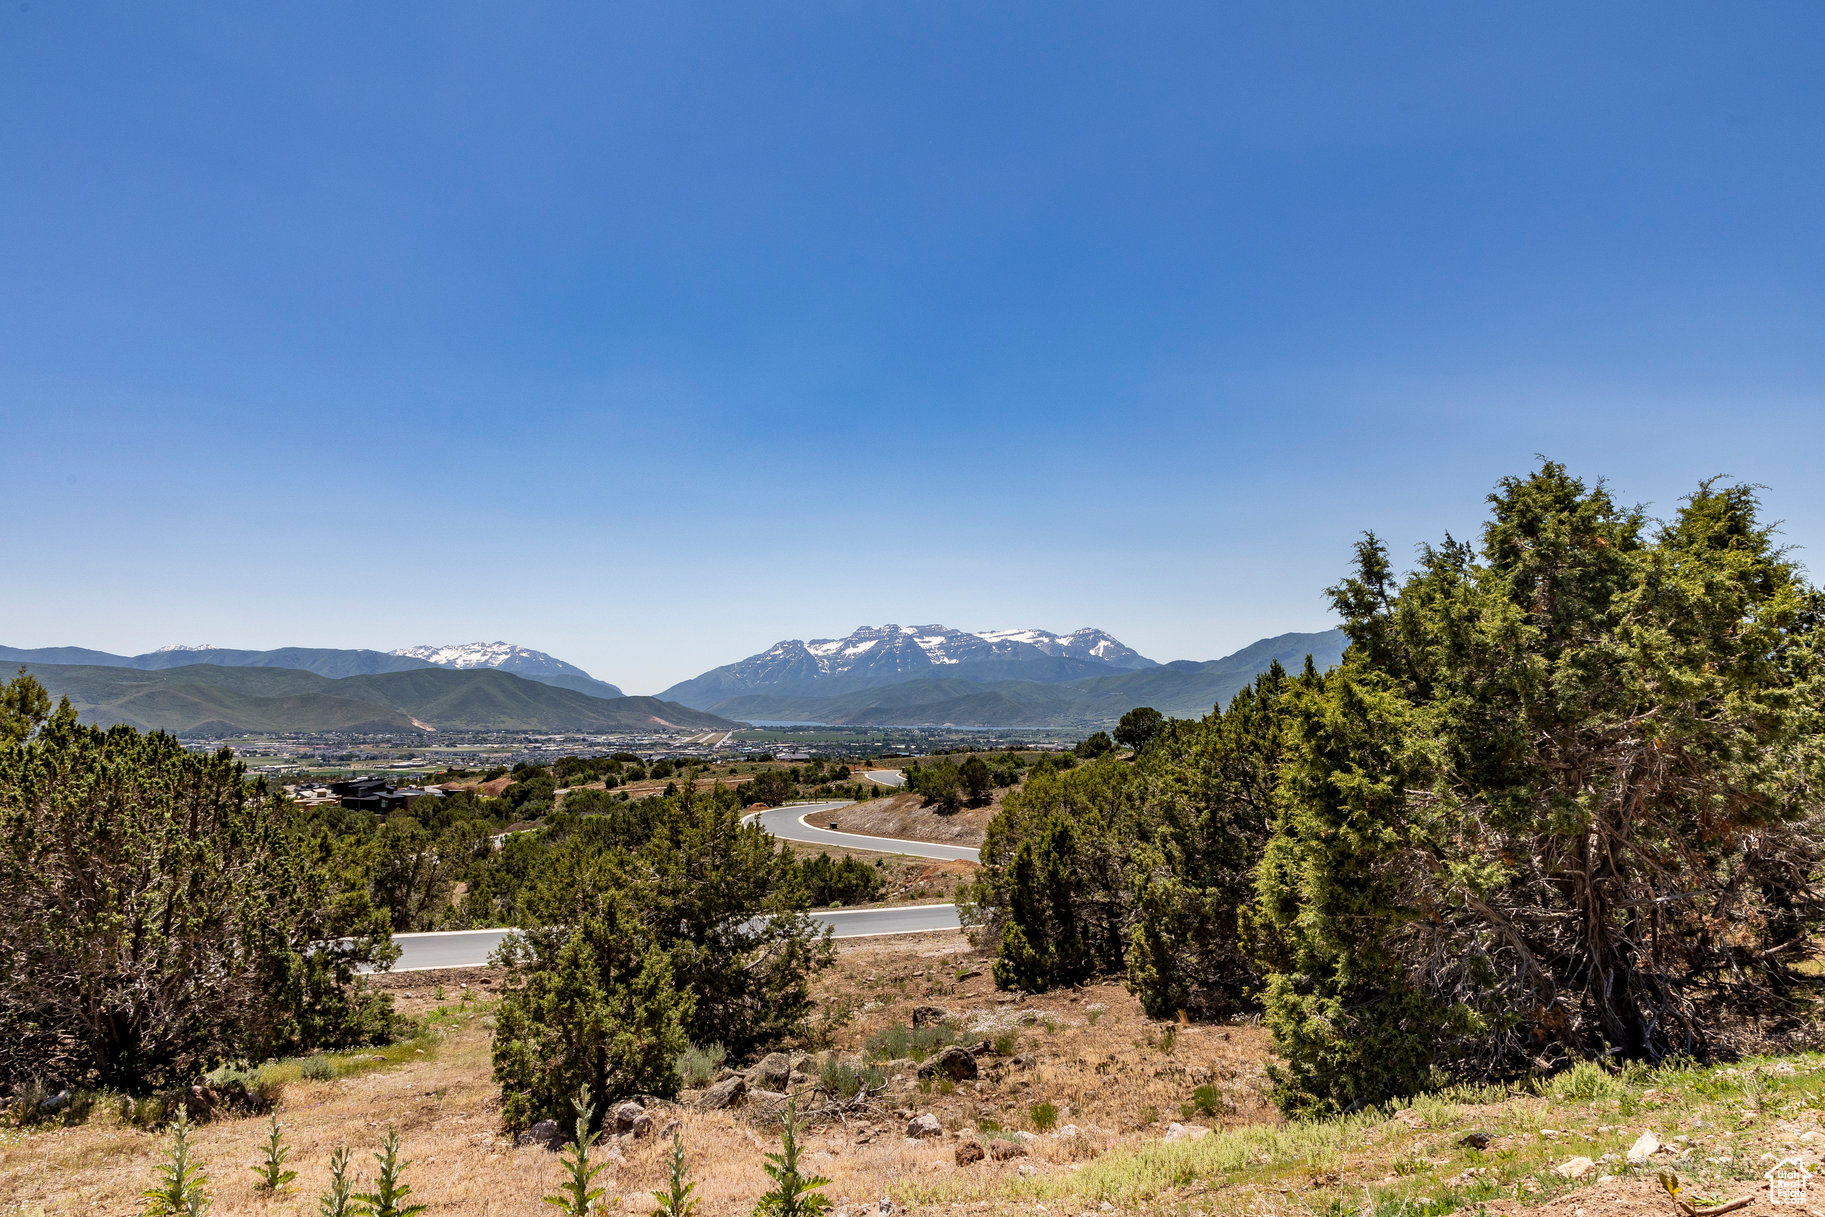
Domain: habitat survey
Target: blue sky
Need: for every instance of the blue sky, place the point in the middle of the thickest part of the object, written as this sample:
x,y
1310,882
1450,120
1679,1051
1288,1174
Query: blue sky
x,y
650,334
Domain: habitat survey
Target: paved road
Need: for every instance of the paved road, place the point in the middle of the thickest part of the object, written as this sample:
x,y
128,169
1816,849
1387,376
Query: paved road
x,y
788,824
471,948
885,777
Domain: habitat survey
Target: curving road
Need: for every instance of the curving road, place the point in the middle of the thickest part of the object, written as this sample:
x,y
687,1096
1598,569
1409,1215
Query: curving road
x,y
471,948
788,824
885,777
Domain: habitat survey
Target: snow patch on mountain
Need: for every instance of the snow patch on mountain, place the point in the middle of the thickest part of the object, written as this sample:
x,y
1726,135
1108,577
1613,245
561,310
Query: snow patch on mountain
x,y
943,645
478,655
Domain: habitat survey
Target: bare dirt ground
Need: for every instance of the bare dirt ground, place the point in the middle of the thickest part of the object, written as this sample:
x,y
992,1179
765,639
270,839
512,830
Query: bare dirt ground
x,y
906,815
1090,1053
1113,1079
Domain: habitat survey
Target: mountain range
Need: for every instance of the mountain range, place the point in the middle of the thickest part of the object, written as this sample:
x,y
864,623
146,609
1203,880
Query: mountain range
x,y
213,699
937,676
874,656
521,661
890,675
336,663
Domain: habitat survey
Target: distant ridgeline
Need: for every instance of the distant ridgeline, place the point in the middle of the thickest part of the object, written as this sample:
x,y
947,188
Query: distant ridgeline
x,y
214,699
337,663
934,675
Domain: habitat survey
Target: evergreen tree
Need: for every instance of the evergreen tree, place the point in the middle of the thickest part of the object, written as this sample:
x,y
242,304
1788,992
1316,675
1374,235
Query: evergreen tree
x,y
161,915
1557,802
978,780
591,1009
1139,727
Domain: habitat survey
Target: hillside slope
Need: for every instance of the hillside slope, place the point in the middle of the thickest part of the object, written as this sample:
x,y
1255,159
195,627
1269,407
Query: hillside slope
x,y
336,663
210,699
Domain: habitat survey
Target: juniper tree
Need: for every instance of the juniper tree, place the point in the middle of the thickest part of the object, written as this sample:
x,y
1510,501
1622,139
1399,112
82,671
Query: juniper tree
x,y
1558,801
598,1013
161,915
1139,727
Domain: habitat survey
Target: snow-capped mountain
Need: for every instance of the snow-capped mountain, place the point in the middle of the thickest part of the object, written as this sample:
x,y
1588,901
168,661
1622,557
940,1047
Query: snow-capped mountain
x,y
521,661
879,655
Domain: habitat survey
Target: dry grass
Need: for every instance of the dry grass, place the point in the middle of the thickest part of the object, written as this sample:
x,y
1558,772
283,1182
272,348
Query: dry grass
x,y
438,1094
908,816
1115,1078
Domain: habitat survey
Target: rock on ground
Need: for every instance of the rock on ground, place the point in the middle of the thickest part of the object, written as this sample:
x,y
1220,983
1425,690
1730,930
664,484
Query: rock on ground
x,y
954,1063
924,1126
730,1092
545,1132
772,1072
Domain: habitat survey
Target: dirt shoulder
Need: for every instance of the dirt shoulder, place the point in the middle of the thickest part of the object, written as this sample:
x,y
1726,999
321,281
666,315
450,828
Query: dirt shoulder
x,y
907,816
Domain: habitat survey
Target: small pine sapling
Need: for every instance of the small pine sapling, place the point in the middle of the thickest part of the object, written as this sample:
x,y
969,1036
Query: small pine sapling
x,y
385,1200
793,1194
337,1201
271,1172
179,1191
579,1197
676,1199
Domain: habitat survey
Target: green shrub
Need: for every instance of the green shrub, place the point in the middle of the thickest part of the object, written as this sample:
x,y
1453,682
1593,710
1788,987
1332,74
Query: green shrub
x,y
698,1067
179,1191
793,1193
270,1171
1005,1043
830,881
317,1069
1583,1082
243,1090
841,1080
893,1043
1206,1101
1044,1116
386,1200
580,1195
676,1199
